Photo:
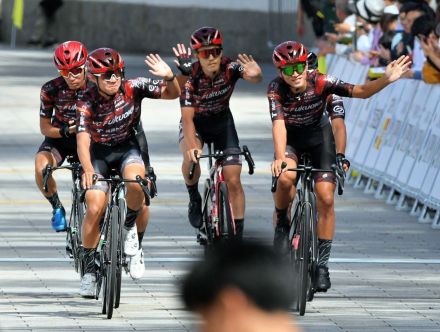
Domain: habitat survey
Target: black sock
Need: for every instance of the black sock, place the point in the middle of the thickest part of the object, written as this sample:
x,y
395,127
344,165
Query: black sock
x,y
282,219
193,191
239,225
140,237
324,247
89,260
130,218
55,201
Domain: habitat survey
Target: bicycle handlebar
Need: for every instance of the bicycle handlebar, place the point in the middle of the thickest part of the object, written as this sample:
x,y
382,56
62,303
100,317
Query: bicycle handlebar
x,y
49,169
220,154
340,177
118,180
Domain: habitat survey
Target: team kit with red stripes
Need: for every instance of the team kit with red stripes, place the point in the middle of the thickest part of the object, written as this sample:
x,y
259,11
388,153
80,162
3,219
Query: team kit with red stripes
x,y
92,110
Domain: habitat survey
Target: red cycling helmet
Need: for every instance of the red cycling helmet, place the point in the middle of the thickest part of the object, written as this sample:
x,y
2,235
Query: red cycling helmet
x,y
289,52
69,55
104,59
206,36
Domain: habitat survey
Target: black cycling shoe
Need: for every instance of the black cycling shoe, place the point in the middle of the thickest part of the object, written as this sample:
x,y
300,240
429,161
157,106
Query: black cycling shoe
x,y
322,279
195,213
281,239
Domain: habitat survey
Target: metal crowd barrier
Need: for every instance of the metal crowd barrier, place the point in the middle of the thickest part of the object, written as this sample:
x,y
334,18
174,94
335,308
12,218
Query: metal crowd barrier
x,y
393,141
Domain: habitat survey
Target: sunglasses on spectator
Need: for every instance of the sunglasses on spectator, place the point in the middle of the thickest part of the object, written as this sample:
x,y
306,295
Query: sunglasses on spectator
x,y
75,72
215,52
298,67
108,75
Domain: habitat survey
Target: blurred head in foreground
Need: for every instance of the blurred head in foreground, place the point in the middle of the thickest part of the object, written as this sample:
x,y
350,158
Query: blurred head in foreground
x,y
240,287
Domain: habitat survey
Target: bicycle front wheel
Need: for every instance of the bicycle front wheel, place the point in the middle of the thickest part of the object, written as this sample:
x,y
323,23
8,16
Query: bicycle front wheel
x,y
112,247
304,255
79,217
120,250
226,227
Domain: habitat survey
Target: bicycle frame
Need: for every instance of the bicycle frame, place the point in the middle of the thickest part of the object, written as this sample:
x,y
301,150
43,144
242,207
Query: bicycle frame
x,y
216,177
216,183
304,241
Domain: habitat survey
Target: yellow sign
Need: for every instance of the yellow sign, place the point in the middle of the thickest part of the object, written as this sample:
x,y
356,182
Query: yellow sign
x,y
17,13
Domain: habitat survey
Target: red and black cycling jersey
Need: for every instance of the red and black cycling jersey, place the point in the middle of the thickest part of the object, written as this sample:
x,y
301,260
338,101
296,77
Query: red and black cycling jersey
x,y
58,101
335,107
307,108
111,121
211,96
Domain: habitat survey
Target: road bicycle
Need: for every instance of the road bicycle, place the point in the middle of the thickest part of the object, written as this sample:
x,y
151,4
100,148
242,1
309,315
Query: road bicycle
x,y
110,251
303,237
73,237
217,216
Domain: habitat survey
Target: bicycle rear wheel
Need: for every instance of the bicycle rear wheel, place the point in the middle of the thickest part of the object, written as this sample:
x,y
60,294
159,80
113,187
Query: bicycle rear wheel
x,y
226,225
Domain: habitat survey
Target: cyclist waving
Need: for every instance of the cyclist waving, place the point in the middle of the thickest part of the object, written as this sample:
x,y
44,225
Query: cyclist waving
x,y
206,116
107,115
297,100
57,120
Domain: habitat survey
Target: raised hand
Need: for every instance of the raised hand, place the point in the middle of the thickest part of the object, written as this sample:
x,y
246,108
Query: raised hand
x,y
397,68
251,67
184,59
157,66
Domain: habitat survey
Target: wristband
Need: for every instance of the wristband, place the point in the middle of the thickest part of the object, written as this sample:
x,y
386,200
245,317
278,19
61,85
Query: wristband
x,y
170,79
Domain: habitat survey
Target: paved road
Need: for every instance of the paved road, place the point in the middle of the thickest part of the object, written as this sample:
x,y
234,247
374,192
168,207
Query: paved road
x,y
385,268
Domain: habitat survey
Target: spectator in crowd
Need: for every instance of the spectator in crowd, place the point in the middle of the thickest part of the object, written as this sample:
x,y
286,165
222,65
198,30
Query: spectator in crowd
x,y
370,11
241,287
428,35
404,43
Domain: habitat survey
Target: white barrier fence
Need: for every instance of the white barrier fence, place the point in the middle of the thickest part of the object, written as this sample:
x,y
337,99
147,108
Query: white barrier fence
x,y
393,141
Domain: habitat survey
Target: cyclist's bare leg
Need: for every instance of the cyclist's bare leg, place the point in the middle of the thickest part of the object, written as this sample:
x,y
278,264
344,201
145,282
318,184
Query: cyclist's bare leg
x,y
96,204
135,195
326,228
286,189
187,162
195,200
326,209
42,159
142,219
235,189
282,198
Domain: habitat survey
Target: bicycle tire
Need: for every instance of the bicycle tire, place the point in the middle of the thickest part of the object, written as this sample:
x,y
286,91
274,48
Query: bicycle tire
x,y
313,248
207,227
79,210
226,225
112,245
102,272
304,265
295,250
120,250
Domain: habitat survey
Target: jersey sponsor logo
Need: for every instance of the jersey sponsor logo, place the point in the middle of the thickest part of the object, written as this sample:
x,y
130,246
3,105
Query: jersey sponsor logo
x,y
338,109
218,93
121,117
307,107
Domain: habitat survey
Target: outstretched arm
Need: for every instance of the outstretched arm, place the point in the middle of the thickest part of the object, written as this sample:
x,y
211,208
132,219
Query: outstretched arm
x,y
252,71
160,68
392,73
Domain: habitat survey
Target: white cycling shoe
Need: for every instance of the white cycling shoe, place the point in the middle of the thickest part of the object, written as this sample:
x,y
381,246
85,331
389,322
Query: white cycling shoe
x,y
131,243
88,285
137,265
